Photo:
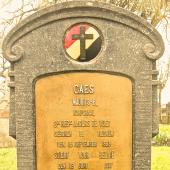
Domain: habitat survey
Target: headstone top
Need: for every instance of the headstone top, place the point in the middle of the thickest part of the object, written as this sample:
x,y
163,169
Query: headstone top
x,y
98,10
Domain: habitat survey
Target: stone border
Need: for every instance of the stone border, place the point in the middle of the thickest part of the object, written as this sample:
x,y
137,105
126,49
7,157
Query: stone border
x,y
45,16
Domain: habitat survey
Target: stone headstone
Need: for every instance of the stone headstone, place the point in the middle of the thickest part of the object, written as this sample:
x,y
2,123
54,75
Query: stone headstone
x,y
168,112
83,88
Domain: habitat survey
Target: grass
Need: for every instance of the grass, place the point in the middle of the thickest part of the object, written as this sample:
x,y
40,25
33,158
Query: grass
x,y
160,158
8,159
163,138
161,154
165,129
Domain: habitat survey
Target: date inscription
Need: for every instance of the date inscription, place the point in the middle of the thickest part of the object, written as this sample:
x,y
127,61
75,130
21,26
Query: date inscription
x,y
83,121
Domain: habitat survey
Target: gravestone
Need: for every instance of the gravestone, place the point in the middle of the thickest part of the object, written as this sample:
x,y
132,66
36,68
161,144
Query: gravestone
x,y
168,112
83,88
165,117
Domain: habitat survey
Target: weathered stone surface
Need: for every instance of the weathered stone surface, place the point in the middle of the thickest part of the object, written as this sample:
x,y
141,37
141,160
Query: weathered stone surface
x,y
130,48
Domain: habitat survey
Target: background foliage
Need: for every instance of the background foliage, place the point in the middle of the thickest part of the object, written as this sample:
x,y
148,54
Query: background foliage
x,y
163,138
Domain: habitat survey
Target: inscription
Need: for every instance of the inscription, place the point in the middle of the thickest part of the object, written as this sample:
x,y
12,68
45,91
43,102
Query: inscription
x,y
61,155
108,133
106,155
61,145
106,144
83,166
108,166
84,124
84,102
83,113
83,89
86,144
63,134
84,155
62,166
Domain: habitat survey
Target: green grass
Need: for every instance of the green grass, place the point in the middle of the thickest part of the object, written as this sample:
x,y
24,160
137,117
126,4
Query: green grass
x,y
8,159
161,154
165,129
160,158
163,138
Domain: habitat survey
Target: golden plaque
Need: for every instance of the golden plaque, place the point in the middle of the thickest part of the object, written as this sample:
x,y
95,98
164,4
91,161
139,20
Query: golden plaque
x,y
83,121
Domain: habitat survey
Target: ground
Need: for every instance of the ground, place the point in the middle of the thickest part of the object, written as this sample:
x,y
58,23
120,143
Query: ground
x,y
161,158
8,159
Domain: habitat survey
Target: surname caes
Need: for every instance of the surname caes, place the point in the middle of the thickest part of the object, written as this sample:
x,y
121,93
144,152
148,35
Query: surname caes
x,y
83,89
